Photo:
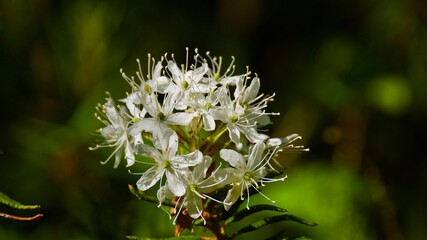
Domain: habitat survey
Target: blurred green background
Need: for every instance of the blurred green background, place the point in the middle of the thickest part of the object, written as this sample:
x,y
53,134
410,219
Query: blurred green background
x,y
350,77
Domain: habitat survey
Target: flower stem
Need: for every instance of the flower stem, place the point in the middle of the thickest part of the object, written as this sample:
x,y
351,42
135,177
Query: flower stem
x,y
214,137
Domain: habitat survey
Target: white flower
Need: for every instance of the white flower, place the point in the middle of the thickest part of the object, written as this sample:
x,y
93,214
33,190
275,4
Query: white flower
x,y
189,80
155,82
198,184
247,96
224,79
167,163
237,120
161,114
285,143
115,132
246,172
133,103
201,104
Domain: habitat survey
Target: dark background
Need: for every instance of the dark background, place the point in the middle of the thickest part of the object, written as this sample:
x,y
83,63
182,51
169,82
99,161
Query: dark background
x,y
350,77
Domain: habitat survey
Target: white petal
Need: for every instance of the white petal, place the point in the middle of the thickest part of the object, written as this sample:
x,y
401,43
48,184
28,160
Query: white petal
x,y
180,118
157,71
109,131
220,179
151,104
232,196
162,84
151,153
130,158
184,161
200,170
164,192
255,157
118,158
170,102
238,92
200,88
215,96
176,72
167,140
131,101
112,113
234,158
226,101
252,91
146,124
208,122
194,204
230,80
149,178
219,114
239,110
273,142
199,72
259,173
252,135
289,139
175,184
233,133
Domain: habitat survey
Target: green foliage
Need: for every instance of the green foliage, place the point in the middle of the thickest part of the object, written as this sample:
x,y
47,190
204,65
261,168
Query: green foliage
x,y
4,199
253,209
270,220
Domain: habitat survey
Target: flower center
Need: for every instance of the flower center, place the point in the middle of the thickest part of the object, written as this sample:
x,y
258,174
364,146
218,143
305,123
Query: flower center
x,y
216,76
161,116
185,84
148,88
208,105
165,163
247,176
193,187
234,119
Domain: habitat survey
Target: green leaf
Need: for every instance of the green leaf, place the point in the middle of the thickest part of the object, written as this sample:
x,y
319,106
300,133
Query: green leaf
x,y
15,204
264,222
253,209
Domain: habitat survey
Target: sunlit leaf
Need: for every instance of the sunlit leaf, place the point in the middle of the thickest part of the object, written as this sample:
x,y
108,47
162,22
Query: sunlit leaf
x,y
15,204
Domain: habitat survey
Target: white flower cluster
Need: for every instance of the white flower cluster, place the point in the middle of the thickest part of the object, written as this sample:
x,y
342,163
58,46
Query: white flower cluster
x,y
176,117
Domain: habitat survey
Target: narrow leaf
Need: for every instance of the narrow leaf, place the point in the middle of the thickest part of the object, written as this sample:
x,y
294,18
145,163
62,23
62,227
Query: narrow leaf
x,y
253,209
10,202
261,223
